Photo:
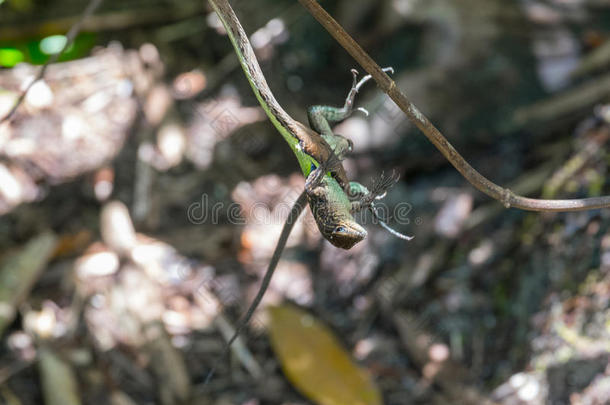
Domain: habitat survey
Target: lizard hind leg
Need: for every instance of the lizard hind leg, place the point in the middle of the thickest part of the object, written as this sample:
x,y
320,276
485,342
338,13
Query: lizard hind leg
x,y
321,116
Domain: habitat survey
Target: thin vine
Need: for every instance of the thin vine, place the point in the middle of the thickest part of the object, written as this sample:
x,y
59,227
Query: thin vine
x,y
482,183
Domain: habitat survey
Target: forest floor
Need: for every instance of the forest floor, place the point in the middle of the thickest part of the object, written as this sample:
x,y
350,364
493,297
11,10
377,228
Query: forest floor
x,y
142,192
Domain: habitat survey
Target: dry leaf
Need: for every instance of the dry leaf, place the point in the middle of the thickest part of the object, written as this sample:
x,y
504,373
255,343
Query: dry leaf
x,y
59,384
315,363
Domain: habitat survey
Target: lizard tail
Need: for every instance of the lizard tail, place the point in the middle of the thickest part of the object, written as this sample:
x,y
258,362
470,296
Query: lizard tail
x,y
278,116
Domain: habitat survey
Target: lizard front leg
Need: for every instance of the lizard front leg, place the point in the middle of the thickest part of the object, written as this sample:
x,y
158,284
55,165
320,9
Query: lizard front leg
x,y
366,199
356,190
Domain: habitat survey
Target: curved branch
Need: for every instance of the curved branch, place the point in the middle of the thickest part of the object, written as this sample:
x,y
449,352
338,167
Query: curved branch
x,y
70,36
483,184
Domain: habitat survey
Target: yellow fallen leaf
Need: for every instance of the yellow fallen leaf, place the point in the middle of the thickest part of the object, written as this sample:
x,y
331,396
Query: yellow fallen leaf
x,y
315,363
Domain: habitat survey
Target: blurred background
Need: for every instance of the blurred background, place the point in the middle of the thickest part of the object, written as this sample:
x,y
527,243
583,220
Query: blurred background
x,y
142,191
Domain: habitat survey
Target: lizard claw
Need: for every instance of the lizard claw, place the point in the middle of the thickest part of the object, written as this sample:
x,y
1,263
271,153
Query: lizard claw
x,y
355,78
389,70
368,77
363,110
381,187
387,227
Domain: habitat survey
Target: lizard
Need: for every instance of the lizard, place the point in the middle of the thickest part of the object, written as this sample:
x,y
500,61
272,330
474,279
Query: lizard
x,y
332,198
336,199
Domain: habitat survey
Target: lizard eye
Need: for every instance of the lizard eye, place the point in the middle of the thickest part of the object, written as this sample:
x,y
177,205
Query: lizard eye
x,y
340,229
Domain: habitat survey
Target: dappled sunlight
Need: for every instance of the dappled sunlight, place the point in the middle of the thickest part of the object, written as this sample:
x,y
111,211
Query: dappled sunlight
x,y
151,287
213,121
146,178
70,123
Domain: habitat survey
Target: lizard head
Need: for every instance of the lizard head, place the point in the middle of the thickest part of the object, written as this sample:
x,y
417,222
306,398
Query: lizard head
x,y
346,235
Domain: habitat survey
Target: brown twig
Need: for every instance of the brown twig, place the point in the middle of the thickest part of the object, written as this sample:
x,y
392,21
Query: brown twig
x,y
72,33
483,184
152,13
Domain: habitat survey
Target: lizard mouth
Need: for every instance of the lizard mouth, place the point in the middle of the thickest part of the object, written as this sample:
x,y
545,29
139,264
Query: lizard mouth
x,y
345,238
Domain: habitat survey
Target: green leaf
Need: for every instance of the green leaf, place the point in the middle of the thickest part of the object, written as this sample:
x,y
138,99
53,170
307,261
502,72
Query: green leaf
x,y
9,57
